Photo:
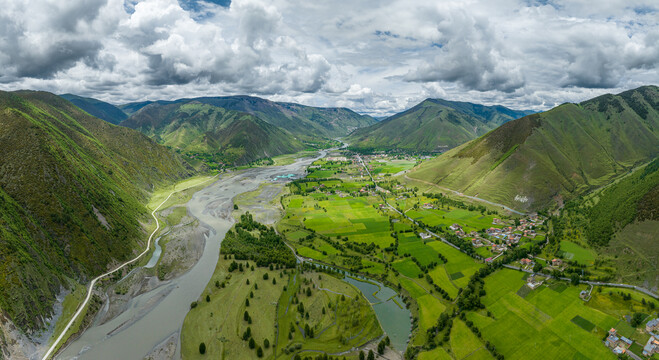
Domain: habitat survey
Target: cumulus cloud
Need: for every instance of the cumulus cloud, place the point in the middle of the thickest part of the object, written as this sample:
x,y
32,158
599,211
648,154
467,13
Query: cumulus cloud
x,y
469,53
375,57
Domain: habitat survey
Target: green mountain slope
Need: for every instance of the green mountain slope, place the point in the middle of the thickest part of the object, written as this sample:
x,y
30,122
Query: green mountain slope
x,y
98,108
620,223
543,159
432,125
72,189
305,122
196,127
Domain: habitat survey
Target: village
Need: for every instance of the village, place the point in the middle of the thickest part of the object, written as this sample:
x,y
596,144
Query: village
x,y
620,345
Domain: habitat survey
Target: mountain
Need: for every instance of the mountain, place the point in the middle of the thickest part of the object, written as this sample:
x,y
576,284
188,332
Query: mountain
x,y
72,195
198,127
543,159
432,125
98,108
305,122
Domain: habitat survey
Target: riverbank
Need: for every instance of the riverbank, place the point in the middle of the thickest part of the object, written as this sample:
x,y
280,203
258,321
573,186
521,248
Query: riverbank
x,y
154,321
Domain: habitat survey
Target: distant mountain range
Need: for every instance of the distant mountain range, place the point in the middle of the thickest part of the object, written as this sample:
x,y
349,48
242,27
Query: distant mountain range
x,y
72,189
98,108
241,128
305,122
544,159
433,125
197,127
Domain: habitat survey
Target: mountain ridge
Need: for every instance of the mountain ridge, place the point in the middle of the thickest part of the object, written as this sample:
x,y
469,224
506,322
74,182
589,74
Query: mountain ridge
x,y
432,125
556,154
72,193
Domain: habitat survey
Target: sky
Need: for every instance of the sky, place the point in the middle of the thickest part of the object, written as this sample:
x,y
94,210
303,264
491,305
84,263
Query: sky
x,y
375,57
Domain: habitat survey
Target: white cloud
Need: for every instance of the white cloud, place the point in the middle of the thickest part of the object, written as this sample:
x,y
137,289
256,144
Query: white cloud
x,y
373,56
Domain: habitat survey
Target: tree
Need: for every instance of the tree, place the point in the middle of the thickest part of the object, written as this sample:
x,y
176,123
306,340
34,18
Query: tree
x,y
381,346
259,352
202,348
246,316
252,343
362,356
265,276
235,207
208,298
266,343
574,278
371,355
537,267
246,302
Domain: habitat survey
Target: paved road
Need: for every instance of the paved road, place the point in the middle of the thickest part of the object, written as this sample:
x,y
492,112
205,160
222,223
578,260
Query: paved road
x,y
467,196
595,283
96,279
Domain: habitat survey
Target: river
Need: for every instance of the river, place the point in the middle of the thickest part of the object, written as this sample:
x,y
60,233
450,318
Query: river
x,y
153,317
157,315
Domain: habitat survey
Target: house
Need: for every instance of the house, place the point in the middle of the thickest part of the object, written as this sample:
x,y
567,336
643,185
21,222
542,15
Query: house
x,y
652,325
557,262
425,235
533,282
455,227
488,260
428,206
526,261
476,242
624,342
651,347
496,221
612,339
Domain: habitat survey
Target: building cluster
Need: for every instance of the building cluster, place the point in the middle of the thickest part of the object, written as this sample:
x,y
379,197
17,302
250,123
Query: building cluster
x,y
617,343
508,234
652,346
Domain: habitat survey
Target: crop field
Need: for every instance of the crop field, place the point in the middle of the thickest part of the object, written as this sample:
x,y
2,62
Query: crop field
x,y
391,166
407,267
575,252
470,220
546,324
435,354
457,263
409,243
354,218
429,310
463,342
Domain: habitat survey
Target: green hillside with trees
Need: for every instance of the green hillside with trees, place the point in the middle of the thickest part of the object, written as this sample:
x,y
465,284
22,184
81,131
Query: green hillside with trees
x,y
235,137
97,108
72,194
305,122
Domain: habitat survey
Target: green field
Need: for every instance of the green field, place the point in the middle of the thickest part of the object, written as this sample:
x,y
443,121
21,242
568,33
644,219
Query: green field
x,y
407,267
391,166
458,263
354,218
543,323
470,220
575,252
464,343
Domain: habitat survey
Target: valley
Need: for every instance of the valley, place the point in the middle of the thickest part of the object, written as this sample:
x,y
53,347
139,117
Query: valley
x,y
309,180
298,248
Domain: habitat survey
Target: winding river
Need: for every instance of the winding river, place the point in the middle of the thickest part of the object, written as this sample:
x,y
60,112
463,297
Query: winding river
x,y
152,318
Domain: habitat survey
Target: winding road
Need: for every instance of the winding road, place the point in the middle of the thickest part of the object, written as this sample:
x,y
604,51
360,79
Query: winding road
x,y
96,279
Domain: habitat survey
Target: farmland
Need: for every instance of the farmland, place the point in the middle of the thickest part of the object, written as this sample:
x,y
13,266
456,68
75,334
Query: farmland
x,y
461,306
